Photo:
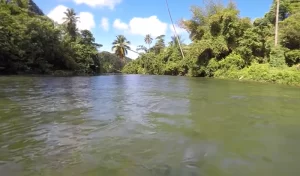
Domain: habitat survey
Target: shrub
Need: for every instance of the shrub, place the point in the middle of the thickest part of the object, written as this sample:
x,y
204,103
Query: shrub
x,y
265,73
277,58
212,67
292,57
233,61
230,65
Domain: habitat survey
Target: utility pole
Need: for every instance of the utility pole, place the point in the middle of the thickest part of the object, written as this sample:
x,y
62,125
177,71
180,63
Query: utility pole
x,y
277,21
174,29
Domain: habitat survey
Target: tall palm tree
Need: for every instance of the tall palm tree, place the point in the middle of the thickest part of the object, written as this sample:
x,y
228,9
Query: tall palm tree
x,y
148,40
70,21
121,46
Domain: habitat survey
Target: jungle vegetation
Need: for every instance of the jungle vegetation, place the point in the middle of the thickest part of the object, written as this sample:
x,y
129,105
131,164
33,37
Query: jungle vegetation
x,y
31,43
225,45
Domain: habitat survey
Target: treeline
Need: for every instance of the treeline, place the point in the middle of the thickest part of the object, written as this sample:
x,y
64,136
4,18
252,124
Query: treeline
x,y
225,45
32,43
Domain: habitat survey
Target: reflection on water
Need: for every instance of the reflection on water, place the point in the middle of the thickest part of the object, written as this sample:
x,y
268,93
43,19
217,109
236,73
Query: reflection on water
x,y
147,125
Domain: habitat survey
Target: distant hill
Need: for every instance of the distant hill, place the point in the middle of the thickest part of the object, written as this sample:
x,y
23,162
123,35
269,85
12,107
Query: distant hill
x,y
28,4
113,56
111,63
34,8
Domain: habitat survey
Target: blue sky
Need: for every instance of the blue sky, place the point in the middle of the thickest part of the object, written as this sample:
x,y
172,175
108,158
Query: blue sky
x,y
135,18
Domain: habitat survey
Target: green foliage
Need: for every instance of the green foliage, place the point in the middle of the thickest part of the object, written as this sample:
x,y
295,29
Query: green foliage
x,y
284,11
290,32
225,45
292,57
110,63
212,67
70,22
159,45
142,48
265,73
121,46
30,43
252,46
277,58
148,40
231,63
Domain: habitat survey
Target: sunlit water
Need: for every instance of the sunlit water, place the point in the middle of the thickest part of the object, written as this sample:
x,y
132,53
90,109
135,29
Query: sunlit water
x,y
147,125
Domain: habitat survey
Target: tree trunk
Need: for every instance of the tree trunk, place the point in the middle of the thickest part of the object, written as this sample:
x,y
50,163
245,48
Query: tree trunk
x,y
277,21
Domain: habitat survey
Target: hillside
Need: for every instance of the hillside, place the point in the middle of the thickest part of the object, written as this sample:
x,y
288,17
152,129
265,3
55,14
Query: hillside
x,y
34,8
27,4
31,44
110,63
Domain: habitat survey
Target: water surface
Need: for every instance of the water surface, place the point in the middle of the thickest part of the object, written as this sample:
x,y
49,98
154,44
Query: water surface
x,y
147,125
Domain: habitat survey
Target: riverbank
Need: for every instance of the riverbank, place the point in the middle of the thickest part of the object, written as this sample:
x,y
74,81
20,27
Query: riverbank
x,y
224,45
58,73
263,73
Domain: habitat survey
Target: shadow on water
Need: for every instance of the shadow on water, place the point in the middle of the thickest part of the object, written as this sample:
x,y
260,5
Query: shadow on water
x,y
147,125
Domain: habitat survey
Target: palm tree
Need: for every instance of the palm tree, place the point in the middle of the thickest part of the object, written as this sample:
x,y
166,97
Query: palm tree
x,y
160,44
174,41
88,39
121,46
70,21
148,40
142,48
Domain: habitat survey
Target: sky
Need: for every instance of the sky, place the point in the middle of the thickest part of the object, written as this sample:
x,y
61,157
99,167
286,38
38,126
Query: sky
x,y
135,18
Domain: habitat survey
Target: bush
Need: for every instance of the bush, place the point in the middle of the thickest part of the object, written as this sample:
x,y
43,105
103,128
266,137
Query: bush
x,y
292,57
230,65
265,73
233,61
212,67
277,58
131,68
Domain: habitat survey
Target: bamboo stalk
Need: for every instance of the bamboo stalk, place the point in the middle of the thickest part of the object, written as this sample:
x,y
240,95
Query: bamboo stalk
x,y
174,29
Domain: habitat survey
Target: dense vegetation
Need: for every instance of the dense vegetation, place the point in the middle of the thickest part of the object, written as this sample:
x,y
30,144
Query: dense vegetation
x,y
32,43
224,45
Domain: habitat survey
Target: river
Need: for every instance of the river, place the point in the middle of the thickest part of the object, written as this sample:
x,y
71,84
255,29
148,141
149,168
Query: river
x,y
136,125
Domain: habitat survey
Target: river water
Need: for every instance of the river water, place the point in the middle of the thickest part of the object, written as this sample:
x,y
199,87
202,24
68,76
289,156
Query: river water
x,y
147,125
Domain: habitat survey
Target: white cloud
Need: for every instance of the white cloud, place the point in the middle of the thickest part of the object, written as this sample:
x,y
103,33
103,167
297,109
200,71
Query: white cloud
x,y
178,30
99,3
105,24
57,13
120,25
86,19
143,26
